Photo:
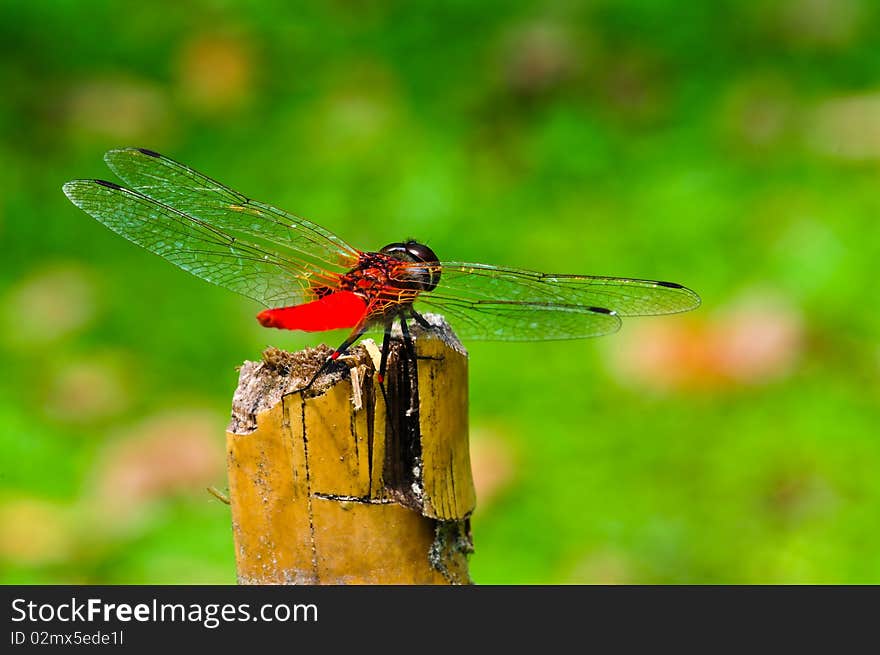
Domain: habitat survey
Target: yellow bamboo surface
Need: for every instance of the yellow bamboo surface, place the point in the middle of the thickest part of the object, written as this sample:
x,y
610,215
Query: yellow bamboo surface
x,y
321,490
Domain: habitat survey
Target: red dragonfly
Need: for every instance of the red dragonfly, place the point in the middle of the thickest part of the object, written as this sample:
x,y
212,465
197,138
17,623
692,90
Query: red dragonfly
x,y
309,279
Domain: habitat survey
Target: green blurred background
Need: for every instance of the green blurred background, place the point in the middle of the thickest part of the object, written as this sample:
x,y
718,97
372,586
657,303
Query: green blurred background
x,y
732,146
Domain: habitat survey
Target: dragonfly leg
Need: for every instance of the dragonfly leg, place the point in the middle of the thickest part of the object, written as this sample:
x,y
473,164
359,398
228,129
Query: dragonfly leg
x,y
407,339
336,354
386,345
421,320
411,371
345,345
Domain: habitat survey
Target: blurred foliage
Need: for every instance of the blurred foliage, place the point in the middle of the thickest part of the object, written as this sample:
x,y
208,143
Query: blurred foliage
x,y
730,146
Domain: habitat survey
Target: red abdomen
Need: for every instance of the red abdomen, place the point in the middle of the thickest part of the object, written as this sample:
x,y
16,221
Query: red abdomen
x,y
342,309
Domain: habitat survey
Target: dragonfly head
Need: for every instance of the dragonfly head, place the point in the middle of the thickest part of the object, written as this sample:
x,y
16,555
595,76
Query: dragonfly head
x,y
421,278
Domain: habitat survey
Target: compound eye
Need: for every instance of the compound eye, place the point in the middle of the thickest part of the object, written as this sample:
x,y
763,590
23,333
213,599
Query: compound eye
x,y
427,277
421,278
396,250
421,253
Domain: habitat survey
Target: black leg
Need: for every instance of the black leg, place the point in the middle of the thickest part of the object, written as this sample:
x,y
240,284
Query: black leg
x,y
412,375
407,339
421,320
345,345
386,344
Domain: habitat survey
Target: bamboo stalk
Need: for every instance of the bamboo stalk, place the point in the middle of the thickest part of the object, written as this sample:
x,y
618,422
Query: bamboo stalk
x,y
337,487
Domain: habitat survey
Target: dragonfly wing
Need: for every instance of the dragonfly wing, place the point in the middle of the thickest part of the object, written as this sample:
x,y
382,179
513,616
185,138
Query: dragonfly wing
x,y
186,190
204,250
625,296
527,305
519,321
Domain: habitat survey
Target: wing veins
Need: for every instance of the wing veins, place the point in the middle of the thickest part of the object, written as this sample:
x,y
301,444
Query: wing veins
x,y
626,296
132,164
158,227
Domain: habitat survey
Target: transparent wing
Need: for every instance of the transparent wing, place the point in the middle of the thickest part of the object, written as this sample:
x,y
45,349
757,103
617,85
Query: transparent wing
x,y
514,321
202,249
186,190
489,302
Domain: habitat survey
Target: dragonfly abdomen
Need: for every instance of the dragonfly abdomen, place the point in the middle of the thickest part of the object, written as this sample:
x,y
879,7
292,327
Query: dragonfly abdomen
x,y
343,309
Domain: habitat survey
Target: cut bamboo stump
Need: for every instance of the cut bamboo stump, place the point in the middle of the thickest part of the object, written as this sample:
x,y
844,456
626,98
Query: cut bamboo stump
x,y
335,486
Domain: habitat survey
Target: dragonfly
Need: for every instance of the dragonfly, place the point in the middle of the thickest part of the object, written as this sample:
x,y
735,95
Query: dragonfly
x,y
309,279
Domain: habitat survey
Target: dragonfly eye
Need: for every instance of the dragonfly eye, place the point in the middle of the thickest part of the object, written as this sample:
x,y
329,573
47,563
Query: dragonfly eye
x,y
423,279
